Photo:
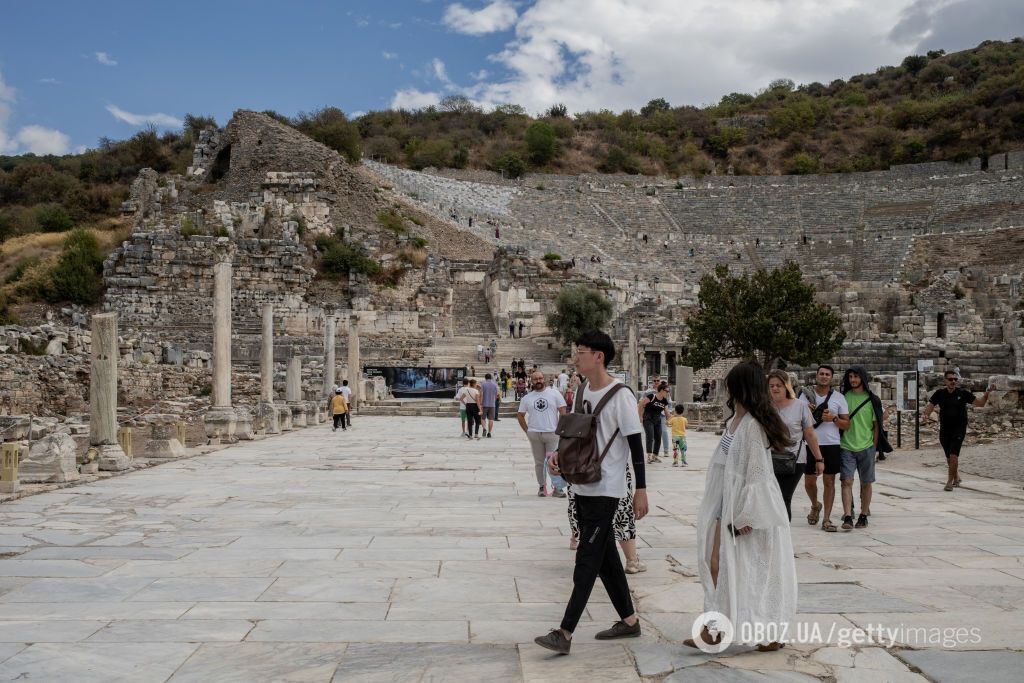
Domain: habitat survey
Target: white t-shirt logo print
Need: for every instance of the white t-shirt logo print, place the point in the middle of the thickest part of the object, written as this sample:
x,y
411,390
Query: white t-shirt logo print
x,y
541,404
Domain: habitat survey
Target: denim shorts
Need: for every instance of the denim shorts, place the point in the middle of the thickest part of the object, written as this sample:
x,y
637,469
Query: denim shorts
x,y
863,462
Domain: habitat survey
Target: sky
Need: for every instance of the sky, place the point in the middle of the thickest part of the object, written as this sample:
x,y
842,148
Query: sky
x,y
73,72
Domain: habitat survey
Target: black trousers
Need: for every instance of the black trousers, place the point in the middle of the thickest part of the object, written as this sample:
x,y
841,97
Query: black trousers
x,y
473,419
652,429
597,556
788,484
339,420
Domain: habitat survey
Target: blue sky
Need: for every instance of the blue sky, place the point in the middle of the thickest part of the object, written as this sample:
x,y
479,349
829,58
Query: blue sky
x,y
72,72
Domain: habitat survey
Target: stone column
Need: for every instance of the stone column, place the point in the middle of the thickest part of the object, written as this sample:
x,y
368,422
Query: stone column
x,y
329,361
633,366
663,365
221,418
103,394
293,392
354,369
684,384
266,413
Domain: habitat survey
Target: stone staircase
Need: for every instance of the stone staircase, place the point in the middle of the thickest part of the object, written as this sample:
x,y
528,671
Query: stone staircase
x,y
421,407
457,352
472,316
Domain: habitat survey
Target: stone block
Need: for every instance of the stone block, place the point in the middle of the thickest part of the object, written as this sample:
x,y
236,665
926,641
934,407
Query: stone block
x,y
163,437
51,459
244,429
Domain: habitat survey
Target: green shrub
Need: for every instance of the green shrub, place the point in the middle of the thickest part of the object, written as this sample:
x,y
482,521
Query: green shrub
x,y
77,276
801,163
393,221
511,165
552,256
53,218
341,258
418,242
20,269
188,226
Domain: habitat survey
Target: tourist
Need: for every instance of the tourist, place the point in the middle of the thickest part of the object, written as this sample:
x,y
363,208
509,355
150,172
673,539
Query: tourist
x,y
651,409
618,437
346,391
858,444
479,352
679,424
797,417
664,418
743,534
494,347
563,382
472,401
952,403
705,390
830,414
488,403
338,406
521,326
511,327
538,417
472,371
460,398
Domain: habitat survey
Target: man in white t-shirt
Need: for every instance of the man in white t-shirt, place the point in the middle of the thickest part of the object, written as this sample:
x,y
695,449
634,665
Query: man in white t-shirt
x,y
538,416
828,420
563,382
618,424
346,391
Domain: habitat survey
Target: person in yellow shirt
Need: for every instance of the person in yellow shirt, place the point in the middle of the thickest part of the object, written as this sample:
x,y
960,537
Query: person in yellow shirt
x,y
678,424
339,406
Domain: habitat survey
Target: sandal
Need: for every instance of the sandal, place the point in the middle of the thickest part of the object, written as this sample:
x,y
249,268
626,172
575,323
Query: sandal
x,y
812,518
771,647
947,487
827,525
705,635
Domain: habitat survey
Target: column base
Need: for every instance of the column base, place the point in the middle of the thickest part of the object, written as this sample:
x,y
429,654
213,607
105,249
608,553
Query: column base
x,y
267,418
284,418
220,424
298,414
244,429
112,458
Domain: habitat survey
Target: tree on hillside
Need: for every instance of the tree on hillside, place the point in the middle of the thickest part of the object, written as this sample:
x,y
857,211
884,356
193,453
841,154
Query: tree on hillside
x,y
768,315
577,310
540,141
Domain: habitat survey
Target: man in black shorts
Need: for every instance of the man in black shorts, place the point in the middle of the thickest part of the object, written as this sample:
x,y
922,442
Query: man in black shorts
x,y
952,402
830,412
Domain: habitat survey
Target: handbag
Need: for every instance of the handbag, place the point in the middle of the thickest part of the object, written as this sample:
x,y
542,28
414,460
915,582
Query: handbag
x,y
784,463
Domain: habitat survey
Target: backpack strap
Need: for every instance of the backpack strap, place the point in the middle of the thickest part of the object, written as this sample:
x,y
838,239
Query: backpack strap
x,y
578,407
611,392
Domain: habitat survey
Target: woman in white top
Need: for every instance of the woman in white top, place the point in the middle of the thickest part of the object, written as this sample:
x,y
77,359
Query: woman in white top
x,y
472,400
744,549
800,423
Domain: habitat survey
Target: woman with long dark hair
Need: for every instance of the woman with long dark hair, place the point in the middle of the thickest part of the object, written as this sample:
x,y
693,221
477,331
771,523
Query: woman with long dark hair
x,y
744,549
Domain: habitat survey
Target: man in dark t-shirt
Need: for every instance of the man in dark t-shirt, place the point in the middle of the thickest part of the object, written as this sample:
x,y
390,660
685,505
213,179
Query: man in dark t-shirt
x,y
952,402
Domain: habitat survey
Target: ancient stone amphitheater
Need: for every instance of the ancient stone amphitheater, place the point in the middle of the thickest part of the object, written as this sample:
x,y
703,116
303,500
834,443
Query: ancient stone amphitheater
x,y
922,262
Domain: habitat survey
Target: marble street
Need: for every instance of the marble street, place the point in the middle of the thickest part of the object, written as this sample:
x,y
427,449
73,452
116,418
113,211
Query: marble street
x,y
401,552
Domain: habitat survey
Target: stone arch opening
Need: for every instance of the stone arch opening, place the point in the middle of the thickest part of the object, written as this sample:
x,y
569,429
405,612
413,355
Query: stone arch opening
x,y
221,164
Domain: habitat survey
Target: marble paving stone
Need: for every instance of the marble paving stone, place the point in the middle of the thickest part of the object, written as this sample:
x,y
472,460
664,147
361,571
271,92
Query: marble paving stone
x,y
77,590
256,611
407,569
97,662
201,589
283,554
247,662
348,589
845,598
173,631
950,666
586,662
475,589
10,649
92,552
328,631
47,631
469,611
98,611
187,568
392,663
51,568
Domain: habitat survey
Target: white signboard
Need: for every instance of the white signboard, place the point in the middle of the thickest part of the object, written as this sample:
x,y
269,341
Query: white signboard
x,y
925,364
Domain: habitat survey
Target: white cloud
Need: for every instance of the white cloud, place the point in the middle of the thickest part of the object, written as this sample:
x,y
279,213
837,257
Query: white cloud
x,y
479,75
32,138
411,98
619,54
40,140
389,55
49,81
157,119
499,15
105,59
440,72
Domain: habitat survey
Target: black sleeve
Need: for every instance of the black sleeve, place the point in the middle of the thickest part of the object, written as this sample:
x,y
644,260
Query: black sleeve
x,y
969,398
636,452
934,399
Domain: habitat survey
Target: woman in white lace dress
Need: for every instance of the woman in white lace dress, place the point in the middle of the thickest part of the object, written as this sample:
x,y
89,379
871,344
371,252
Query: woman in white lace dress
x,y
744,549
